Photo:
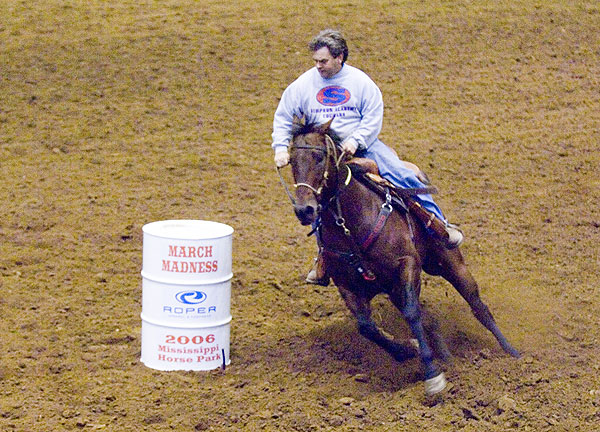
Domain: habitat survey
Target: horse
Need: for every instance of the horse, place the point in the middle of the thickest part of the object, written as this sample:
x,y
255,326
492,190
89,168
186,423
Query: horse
x,y
370,249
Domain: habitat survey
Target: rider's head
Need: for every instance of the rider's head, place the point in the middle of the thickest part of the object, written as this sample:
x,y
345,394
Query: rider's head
x,y
330,52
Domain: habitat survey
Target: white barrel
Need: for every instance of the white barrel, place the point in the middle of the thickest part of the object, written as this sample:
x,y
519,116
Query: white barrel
x,y
186,292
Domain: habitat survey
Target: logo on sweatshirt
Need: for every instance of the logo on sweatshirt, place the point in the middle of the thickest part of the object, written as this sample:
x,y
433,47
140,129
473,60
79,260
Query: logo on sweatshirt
x,y
333,95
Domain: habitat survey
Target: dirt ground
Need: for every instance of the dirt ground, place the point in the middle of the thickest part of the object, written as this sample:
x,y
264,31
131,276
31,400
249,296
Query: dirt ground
x,y
117,114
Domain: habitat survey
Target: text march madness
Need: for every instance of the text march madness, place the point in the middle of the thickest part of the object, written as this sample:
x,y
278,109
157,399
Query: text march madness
x,y
190,259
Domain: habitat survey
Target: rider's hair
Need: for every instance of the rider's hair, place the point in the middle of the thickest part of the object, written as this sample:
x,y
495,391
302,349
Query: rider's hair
x,y
333,40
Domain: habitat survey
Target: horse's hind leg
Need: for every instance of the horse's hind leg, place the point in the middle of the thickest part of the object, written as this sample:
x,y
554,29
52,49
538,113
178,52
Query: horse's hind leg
x,y
453,268
405,297
432,327
361,309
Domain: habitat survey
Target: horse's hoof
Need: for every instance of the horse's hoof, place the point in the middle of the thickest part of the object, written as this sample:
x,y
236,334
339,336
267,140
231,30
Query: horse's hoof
x,y
435,385
508,348
515,353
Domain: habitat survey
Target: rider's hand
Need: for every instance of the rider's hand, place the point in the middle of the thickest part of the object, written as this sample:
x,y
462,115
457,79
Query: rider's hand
x,y
350,145
282,158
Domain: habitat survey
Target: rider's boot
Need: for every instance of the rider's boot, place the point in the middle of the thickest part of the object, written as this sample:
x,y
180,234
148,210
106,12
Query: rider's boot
x,y
450,235
318,275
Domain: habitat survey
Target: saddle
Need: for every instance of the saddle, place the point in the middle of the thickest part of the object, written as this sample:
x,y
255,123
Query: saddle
x,y
366,172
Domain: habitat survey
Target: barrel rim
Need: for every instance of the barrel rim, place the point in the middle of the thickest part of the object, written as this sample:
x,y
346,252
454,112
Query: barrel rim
x,y
152,227
184,325
185,282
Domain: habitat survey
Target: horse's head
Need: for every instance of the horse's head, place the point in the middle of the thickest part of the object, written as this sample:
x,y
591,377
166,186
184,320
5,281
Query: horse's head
x,y
313,155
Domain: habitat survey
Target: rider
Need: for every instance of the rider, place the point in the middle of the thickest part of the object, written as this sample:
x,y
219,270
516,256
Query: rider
x,y
335,89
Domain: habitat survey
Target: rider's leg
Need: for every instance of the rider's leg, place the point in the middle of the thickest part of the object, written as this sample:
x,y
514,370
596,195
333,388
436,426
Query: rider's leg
x,y
401,175
418,172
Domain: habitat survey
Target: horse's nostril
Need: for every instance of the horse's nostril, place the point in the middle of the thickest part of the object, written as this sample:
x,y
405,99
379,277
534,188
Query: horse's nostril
x,y
305,214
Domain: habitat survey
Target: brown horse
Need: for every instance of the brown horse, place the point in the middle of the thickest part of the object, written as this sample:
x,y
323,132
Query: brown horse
x,y
369,248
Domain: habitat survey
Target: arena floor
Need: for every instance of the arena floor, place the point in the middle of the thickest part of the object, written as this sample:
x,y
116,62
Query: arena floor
x,y
117,114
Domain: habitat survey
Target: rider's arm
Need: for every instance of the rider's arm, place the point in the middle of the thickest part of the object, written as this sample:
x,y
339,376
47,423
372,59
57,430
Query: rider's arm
x,y
371,112
283,121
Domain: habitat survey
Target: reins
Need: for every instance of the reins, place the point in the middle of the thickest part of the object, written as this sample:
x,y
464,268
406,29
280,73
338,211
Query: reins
x,y
354,256
284,184
330,149
331,205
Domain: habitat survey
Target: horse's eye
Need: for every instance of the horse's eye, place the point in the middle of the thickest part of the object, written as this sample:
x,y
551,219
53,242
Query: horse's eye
x,y
318,156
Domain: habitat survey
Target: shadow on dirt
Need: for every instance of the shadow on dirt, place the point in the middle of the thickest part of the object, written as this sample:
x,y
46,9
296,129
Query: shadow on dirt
x,y
336,351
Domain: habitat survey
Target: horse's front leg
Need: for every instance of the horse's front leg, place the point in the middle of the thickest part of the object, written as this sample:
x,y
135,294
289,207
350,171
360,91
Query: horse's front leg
x,y
361,309
405,297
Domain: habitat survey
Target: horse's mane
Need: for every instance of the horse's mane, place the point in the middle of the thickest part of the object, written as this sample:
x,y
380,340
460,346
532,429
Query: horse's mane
x,y
303,129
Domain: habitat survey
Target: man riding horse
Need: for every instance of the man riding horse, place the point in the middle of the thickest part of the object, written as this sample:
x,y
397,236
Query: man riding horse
x,y
335,90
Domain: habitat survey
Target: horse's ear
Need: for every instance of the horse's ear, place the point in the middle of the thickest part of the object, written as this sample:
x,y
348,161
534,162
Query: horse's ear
x,y
325,126
299,121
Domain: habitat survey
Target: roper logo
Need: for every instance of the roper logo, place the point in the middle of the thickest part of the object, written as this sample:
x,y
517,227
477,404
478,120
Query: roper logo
x,y
333,95
190,297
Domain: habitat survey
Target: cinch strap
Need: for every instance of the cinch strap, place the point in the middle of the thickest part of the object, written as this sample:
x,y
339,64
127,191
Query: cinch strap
x,y
384,213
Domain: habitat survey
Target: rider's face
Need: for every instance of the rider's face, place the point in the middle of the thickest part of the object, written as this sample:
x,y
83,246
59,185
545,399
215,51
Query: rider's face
x,y
326,64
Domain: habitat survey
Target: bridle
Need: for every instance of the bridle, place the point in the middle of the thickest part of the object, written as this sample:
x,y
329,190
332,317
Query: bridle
x,y
331,154
354,255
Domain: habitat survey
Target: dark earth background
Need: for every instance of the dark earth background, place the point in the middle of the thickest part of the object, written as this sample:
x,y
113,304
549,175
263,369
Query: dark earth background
x,y
117,114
